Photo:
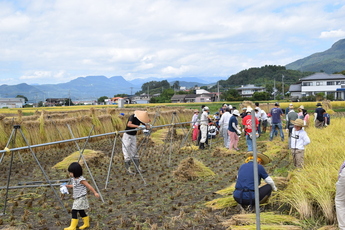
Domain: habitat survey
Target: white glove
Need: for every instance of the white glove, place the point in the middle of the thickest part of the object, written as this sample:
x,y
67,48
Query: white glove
x,y
63,189
142,126
326,125
270,181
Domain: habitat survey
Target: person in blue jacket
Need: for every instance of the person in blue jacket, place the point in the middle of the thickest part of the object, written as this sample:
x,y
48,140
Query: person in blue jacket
x,y
244,189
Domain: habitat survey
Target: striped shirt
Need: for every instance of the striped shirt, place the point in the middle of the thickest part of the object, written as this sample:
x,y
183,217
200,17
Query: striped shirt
x,y
79,189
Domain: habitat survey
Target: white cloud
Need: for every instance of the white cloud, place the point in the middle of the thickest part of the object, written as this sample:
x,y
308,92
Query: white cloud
x,y
333,34
160,38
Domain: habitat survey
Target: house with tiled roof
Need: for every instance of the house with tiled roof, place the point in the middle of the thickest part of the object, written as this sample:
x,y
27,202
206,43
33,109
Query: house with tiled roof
x,y
249,90
329,84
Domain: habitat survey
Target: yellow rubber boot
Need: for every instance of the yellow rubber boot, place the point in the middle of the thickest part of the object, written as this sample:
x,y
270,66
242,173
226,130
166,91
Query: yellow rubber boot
x,y
73,226
86,224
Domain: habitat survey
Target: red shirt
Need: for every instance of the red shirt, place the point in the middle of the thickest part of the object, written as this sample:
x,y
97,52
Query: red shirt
x,y
247,120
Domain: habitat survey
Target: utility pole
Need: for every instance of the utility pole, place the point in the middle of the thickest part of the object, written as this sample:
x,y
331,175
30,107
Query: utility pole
x,y
283,86
274,89
218,92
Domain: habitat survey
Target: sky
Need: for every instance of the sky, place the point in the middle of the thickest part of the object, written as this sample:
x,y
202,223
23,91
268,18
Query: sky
x,y
55,41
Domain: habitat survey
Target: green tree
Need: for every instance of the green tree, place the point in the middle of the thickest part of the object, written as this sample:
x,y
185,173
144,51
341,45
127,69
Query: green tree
x,y
40,104
120,95
176,85
231,95
165,97
68,102
101,99
21,96
261,96
320,96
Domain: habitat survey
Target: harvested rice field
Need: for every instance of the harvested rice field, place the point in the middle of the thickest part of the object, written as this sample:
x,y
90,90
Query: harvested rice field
x,y
183,187
167,196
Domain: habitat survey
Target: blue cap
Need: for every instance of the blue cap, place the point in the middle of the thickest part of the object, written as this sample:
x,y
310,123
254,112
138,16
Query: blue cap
x,y
122,114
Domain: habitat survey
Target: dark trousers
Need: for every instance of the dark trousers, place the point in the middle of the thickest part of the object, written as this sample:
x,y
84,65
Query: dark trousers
x,y
264,192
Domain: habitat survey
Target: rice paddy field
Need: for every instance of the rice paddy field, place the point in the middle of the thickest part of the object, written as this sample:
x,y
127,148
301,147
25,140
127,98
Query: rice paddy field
x,y
183,187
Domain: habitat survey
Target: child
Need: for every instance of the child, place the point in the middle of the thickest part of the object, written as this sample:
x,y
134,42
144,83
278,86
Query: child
x,y
80,203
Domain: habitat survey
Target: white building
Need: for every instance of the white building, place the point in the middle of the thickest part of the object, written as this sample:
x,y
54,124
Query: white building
x,y
249,90
17,102
329,84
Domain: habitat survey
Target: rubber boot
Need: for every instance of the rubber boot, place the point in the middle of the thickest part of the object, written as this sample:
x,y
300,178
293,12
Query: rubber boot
x,y
202,146
73,226
128,168
137,163
86,224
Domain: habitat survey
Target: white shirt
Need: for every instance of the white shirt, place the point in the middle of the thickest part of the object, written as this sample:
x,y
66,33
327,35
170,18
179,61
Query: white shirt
x,y
195,119
224,120
263,115
299,139
204,118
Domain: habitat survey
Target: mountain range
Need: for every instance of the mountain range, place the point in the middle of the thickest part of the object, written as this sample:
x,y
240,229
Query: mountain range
x,y
329,61
88,88
93,87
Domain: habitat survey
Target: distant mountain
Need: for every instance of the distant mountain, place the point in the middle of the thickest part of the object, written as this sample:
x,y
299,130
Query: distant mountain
x,y
187,81
81,88
24,89
329,61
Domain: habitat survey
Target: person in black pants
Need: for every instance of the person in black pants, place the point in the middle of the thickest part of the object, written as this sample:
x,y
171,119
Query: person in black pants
x,y
244,188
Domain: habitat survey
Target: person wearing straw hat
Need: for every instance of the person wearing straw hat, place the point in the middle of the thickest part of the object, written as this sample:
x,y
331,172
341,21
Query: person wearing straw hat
x,y
244,188
129,139
299,139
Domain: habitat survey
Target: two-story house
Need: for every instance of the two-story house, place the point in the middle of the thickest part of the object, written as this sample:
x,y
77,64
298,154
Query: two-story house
x,y
249,90
329,84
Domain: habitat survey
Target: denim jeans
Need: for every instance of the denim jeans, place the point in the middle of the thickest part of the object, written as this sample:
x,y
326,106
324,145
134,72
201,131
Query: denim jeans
x,y
279,126
249,143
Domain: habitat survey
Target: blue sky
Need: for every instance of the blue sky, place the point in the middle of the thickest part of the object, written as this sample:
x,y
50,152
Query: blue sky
x,y
54,41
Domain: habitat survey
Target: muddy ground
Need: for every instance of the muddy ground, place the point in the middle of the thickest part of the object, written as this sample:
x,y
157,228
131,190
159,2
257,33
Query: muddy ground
x,y
156,201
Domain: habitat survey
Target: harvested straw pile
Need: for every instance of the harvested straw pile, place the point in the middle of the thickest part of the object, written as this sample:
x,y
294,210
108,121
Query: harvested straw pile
x,y
245,104
162,136
269,220
192,169
223,202
223,152
89,155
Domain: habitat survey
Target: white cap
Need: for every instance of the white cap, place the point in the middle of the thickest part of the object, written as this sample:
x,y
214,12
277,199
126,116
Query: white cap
x,y
236,112
206,108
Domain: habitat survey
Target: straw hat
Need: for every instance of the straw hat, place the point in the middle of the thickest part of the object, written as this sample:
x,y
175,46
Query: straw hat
x,y
301,107
142,116
264,158
196,111
249,109
298,122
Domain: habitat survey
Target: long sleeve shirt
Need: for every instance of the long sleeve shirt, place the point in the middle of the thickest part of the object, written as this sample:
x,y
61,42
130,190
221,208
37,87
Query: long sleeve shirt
x,y
204,118
224,120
